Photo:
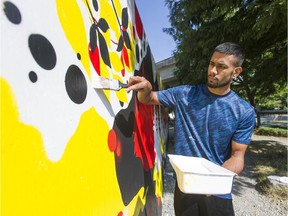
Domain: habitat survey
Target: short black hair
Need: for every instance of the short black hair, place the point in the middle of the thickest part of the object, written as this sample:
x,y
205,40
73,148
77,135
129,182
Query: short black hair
x,y
230,48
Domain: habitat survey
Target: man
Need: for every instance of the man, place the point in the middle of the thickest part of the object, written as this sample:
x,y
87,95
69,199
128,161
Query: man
x,y
211,121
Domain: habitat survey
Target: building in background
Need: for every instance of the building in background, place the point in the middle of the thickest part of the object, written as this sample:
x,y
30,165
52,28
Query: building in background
x,y
166,69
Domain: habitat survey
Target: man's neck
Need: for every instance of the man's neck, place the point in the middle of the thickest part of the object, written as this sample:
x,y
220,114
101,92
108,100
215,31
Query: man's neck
x,y
220,91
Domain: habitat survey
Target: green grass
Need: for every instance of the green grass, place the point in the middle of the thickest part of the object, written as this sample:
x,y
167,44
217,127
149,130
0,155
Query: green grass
x,y
269,131
269,158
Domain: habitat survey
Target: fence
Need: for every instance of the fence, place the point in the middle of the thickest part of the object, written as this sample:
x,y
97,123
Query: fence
x,y
272,118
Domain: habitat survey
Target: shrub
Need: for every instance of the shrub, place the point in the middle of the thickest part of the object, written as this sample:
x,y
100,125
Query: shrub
x,y
269,131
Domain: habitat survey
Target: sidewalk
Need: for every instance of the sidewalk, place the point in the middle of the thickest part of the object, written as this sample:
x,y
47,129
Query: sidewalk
x,y
280,140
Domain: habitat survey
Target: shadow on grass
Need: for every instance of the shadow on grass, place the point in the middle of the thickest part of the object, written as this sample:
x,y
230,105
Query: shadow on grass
x,y
263,158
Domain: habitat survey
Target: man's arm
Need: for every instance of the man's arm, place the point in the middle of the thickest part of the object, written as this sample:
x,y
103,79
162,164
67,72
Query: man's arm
x,y
236,162
144,90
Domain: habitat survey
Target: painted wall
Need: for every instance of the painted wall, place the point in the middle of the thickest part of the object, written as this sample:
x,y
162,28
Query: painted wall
x,y
66,148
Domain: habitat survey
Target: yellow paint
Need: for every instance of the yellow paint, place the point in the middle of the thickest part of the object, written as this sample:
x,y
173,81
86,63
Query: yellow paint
x,y
122,94
107,12
162,145
137,204
116,62
157,174
83,182
72,23
157,177
160,84
131,53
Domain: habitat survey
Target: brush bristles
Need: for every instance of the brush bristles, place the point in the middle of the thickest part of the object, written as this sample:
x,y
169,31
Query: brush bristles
x,y
105,83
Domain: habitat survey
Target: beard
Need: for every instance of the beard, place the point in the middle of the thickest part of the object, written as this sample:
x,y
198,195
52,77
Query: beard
x,y
219,84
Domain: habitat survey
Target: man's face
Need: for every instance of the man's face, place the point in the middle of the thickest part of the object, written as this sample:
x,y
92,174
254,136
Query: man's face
x,y
221,70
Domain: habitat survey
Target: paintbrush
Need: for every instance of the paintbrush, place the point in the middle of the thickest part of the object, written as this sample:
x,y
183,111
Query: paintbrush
x,y
108,84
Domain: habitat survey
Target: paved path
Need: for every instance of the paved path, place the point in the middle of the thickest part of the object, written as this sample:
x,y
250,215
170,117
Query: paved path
x,y
279,140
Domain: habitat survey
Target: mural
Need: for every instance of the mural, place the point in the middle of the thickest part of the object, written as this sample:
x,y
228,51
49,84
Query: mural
x,y
66,148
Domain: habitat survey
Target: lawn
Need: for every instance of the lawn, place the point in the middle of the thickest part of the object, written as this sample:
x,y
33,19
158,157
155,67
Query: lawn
x,y
269,158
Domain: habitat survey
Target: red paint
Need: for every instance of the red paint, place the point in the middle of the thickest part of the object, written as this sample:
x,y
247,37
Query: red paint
x,y
124,59
114,42
123,72
144,135
125,56
159,201
118,149
95,59
138,23
112,140
114,144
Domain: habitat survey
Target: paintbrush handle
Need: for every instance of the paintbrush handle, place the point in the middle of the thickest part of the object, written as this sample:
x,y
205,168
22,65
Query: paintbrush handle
x,y
122,85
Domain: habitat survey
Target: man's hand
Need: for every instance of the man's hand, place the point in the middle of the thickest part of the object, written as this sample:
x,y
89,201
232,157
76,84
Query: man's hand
x,y
137,83
144,88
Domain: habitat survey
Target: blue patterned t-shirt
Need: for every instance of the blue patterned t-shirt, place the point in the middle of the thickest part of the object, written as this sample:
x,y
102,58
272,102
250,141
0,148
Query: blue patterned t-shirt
x,y
205,123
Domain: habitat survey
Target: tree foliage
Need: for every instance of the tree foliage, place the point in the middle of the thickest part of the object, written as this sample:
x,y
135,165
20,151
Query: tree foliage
x,y
259,26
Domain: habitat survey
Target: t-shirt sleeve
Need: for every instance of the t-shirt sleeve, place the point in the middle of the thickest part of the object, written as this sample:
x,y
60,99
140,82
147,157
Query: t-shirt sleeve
x,y
245,129
168,97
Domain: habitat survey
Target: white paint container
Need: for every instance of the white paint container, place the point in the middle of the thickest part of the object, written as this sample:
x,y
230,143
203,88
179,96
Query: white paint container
x,y
200,176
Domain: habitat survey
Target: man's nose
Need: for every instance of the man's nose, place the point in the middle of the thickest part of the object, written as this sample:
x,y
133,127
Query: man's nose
x,y
214,70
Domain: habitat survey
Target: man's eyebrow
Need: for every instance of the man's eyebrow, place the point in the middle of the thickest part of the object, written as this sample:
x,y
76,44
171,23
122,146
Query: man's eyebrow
x,y
222,64
219,63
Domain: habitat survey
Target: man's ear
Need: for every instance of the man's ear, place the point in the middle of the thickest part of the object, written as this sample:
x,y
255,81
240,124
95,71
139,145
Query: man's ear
x,y
237,71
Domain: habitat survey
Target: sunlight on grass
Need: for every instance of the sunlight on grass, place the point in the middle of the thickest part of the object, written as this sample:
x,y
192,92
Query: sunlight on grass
x,y
269,158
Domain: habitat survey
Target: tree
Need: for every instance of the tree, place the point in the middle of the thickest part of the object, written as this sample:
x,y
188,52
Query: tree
x,y
259,26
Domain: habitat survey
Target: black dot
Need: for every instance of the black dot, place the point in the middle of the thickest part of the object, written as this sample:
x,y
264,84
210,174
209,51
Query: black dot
x,y
76,85
33,77
137,53
12,12
42,51
78,56
95,5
